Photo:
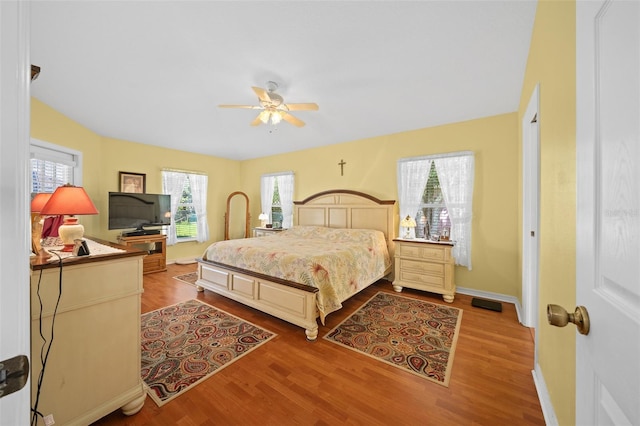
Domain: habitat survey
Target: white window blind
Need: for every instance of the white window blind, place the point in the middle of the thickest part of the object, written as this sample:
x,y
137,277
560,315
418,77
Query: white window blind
x,y
53,166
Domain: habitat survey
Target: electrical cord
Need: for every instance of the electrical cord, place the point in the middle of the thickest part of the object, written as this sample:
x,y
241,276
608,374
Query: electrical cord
x,y
44,355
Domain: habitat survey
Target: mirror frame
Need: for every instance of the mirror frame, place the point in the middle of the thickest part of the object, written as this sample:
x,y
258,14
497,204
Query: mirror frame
x,y
227,220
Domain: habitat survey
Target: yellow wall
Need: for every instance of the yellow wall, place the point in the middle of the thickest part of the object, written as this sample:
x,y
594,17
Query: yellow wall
x,y
104,158
51,126
552,64
371,168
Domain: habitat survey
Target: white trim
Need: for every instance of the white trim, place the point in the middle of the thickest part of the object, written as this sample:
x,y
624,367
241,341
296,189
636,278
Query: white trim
x,y
548,412
492,296
187,172
15,244
50,150
436,156
531,209
287,173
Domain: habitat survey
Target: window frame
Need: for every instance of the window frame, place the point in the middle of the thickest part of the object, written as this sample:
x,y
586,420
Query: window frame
x,y
187,206
47,151
268,207
202,228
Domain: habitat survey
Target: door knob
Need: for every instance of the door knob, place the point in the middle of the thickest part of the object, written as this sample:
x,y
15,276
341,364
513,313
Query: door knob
x,y
558,316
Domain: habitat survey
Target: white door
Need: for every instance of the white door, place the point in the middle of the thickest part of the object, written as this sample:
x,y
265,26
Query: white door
x,y
608,211
14,193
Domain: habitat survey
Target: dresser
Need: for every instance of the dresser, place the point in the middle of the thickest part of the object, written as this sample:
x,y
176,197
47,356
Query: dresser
x,y
425,265
93,365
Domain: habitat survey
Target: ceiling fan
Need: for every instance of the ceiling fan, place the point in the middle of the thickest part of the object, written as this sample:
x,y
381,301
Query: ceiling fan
x,y
273,107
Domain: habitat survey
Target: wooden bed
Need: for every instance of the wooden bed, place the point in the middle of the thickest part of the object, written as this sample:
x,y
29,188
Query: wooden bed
x,y
287,300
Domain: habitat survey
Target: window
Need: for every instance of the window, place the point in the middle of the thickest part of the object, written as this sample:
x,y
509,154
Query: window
x,y
438,190
276,207
185,217
432,217
276,193
53,166
188,192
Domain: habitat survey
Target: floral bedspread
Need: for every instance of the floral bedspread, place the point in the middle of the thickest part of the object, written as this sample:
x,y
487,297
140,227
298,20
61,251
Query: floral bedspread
x,y
339,262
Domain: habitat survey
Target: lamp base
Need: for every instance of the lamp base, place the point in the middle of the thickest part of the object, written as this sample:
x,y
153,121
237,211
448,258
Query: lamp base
x,y
70,231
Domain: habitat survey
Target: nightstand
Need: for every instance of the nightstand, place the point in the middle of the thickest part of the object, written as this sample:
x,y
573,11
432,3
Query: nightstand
x,y
263,232
425,265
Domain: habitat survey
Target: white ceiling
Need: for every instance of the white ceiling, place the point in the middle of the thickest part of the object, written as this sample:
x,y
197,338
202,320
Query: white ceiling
x,y
155,72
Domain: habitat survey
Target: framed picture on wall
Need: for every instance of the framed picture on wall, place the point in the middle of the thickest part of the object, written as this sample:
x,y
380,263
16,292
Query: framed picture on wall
x,y
133,182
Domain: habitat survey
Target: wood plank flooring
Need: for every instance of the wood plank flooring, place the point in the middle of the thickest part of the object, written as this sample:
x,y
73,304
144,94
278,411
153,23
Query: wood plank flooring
x,y
290,381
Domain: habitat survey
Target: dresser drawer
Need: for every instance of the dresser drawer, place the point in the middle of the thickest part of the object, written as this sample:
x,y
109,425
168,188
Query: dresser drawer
x,y
417,266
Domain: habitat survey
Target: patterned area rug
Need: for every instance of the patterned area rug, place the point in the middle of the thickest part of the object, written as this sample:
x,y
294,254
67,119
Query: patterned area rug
x,y
411,334
185,343
189,278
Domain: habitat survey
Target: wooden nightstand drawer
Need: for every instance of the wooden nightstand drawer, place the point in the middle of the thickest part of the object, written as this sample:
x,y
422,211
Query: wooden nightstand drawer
x,y
420,252
421,267
263,232
418,278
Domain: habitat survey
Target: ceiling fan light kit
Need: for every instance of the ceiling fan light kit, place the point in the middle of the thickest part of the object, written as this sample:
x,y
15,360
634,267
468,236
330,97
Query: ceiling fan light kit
x,y
274,110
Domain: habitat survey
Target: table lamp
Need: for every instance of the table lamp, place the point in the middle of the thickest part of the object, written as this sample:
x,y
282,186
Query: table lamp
x,y
263,219
408,223
69,200
37,203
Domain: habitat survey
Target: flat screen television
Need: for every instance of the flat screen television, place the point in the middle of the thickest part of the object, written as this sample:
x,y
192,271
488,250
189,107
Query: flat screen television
x,y
139,212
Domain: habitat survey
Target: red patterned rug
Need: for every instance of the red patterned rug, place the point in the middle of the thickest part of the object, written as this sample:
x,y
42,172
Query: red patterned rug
x,y
184,344
411,334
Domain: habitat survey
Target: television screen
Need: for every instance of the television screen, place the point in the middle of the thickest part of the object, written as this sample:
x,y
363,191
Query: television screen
x,y
137,211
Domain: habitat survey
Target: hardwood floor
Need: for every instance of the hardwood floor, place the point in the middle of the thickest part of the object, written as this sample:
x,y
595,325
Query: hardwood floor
x,y
292,381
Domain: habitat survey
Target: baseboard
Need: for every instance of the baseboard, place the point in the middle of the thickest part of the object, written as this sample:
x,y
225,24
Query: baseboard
x,y
492,296
548,412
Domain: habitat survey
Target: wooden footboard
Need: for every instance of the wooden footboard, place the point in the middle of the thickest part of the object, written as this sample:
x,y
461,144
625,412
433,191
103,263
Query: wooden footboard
x,y
291,302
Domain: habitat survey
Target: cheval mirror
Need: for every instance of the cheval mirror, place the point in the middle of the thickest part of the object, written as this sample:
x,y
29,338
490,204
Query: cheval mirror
x,y
232,228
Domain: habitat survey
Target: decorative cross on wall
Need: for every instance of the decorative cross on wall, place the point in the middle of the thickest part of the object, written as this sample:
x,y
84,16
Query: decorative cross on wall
x,y
341,164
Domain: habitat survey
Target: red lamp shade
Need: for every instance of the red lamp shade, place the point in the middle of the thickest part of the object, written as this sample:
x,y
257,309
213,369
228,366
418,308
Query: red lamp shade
x,y
39,201
69,200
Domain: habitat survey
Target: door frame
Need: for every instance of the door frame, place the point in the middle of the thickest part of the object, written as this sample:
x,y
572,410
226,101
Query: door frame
x,y
531,211
15,245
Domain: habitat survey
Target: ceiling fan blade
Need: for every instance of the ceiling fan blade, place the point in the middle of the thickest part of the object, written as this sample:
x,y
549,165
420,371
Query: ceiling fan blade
x,y
261,118
263,95
291,119
241,106
302,107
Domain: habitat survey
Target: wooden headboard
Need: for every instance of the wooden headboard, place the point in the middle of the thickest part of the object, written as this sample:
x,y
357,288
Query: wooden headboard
x,y
343,208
